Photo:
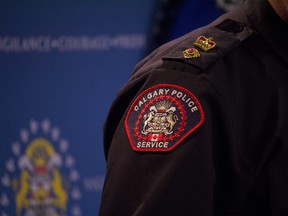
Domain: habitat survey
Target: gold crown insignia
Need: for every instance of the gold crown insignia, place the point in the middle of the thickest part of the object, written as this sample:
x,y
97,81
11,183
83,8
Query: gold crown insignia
x,y
205,43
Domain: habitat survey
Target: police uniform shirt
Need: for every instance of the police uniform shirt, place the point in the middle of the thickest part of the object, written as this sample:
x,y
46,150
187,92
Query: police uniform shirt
x,y
198,131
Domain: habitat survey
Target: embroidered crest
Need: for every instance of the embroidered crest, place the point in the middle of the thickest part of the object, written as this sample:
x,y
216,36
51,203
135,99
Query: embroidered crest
x,y
161,117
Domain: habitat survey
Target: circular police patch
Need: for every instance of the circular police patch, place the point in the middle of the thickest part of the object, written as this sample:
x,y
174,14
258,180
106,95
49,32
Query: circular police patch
x,y
161,117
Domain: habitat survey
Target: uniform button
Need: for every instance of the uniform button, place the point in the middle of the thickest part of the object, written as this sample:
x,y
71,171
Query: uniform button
x,y
231,26
239,28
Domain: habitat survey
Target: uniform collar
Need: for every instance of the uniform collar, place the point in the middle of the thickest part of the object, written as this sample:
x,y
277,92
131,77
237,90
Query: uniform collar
x,y
269,25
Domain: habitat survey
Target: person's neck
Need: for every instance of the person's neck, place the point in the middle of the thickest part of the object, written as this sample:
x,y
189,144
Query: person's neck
x,y
281,8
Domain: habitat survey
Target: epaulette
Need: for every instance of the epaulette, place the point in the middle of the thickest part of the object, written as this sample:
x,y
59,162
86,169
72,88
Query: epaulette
x,y
206,45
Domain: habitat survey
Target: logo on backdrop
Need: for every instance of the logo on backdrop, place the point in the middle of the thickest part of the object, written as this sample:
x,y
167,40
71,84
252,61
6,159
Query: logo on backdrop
x,y
41,174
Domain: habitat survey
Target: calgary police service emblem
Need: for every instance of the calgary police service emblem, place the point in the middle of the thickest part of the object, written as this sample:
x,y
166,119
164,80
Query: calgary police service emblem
x,y
41,172
161,117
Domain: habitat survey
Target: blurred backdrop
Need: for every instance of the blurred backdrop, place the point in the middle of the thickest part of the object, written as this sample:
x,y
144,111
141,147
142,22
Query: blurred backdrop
x,y
61,64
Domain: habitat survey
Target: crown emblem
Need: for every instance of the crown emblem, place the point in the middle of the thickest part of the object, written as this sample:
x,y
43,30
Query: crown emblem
x,y
205,43
191,53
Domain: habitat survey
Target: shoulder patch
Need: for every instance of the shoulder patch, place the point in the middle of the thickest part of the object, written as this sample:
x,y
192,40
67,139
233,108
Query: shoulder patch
x,y
161,117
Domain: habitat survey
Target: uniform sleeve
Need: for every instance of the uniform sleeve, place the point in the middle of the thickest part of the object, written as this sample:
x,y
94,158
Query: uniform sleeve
x,y
197,136
161,136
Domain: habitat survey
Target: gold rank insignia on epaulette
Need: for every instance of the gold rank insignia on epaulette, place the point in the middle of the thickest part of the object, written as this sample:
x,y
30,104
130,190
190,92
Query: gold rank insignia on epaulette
x,y
201,42
191,53
205,43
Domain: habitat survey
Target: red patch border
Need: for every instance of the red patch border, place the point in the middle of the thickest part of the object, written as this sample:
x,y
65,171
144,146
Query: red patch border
x,y
201,111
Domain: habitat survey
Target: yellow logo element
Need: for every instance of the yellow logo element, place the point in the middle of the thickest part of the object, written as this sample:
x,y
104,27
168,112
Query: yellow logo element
x,y
40,188
205,43
191,53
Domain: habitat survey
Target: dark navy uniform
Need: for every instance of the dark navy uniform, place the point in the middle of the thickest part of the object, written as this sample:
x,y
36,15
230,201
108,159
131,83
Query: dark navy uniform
x,y
204,134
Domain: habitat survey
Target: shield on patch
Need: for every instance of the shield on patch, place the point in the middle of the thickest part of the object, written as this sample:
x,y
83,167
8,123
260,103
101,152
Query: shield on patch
x,y
161,117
